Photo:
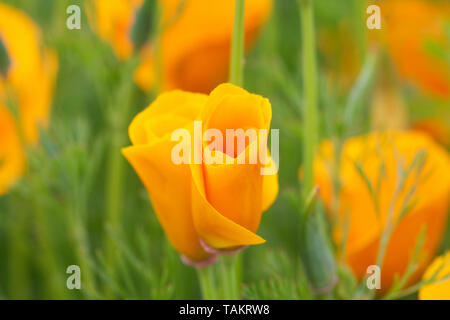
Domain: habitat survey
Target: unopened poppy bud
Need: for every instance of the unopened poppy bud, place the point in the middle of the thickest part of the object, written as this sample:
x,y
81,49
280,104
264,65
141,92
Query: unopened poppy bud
x,y
4,60
317,258
143,24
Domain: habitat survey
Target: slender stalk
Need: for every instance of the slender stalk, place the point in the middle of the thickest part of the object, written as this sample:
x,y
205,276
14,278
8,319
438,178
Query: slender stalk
x,y
120,110
310,78
113,196
237,45
158,27
207,284
230,270
231,266
390,225
115,180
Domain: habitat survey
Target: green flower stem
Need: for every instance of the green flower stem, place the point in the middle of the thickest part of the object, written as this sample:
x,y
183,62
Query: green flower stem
x,y
206,279
310,78
156,40
115,180
230,276
231,266
120,110
237,45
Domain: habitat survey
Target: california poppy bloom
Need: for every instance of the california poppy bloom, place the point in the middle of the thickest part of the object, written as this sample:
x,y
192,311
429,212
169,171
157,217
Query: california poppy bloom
x,y
417,40
439,289
26,81
419,199
196,41
203,208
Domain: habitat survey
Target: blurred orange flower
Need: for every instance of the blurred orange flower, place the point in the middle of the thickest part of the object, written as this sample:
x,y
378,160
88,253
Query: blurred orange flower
x,y
12,157
424,191
440,288
417,39
25,87
113,20
32,72
201,206
437,128
195,43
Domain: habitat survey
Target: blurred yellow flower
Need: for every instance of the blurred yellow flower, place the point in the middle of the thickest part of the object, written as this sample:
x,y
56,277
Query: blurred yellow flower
x,y
113,20
425,192
417,40
203,206
195,43
439,289
32,72
25,87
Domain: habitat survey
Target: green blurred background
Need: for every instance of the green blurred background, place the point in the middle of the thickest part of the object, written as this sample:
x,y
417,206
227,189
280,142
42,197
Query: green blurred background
x,y
56,216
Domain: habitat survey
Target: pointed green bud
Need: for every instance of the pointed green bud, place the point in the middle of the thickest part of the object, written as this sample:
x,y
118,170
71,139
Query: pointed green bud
x,y
316,253
143,24
5,63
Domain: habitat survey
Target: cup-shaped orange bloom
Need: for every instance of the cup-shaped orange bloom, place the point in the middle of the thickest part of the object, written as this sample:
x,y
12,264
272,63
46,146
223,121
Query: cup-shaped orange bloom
x,y
204,205
397,179
26,83
195,42
417,39
439,272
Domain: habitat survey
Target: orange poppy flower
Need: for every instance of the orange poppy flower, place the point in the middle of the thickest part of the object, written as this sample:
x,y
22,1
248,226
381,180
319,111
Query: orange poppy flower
x,y
25,86
195,43
412,29
195,39
424,192
203,208
32,70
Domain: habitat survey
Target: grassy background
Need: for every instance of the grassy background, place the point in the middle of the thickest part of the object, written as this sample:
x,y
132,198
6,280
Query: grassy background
x,y
56,215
